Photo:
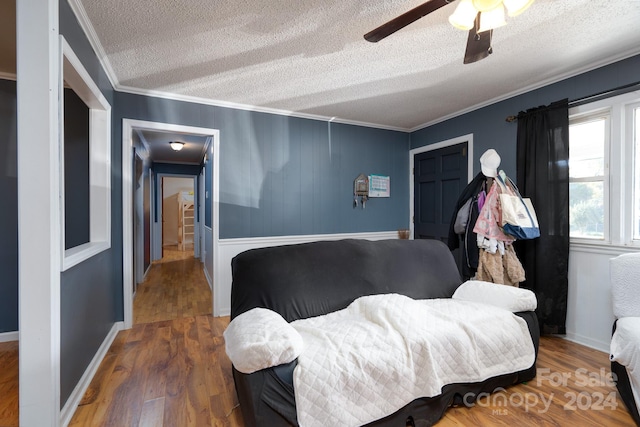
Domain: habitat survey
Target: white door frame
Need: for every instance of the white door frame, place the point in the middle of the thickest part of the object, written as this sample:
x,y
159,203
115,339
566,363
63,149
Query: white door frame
x,y
158,228
436,146
128,126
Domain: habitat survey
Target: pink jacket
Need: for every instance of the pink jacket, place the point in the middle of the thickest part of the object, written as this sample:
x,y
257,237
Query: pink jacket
x,y
490,218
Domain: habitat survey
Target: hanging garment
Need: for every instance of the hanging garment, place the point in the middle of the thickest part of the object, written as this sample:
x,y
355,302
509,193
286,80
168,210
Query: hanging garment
x,y
501,269
489,220
468,246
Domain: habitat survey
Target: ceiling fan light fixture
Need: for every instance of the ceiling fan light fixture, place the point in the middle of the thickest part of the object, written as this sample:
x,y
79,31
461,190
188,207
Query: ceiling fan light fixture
x,y
492,19
516,7
486,5
176,145
464,16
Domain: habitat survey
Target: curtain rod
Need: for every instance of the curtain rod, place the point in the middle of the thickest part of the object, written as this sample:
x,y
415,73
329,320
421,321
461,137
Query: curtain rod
x,y
594,97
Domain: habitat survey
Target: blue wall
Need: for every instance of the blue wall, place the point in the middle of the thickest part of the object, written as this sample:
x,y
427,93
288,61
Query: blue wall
x,y
488,125
9,210
91,292
283,175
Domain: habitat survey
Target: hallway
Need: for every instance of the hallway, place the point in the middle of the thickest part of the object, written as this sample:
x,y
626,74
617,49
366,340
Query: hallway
x,y
175,287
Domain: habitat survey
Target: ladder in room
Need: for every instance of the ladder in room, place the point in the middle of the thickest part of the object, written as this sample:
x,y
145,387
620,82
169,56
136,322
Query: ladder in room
x,y
185,225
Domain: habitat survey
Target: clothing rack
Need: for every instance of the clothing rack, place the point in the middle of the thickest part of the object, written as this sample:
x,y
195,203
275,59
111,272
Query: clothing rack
x,y
594,97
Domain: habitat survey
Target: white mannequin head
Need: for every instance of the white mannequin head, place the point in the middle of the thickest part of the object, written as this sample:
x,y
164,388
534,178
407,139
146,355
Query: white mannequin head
x,y
489,163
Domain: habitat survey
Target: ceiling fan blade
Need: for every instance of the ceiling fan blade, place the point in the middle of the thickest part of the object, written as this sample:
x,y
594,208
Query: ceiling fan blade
x,y
405,19
478,44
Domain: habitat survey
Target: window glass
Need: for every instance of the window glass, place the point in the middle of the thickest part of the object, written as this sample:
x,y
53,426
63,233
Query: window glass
x,y
586,148
587,145
586,210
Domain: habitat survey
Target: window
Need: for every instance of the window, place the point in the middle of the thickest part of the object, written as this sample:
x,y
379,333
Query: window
x,y
604,171
85,172
588,143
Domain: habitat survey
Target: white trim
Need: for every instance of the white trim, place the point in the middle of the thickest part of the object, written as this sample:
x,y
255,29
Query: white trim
x,y
229,248
204,265
9,336
38,120
94,40
247,107
81,387
128,125
602,248
73,73
157,228
588,342
573,73
436,146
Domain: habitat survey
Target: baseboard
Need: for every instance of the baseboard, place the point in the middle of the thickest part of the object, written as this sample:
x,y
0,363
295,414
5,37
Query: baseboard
x,y
9,336
76,395
206,274
588,342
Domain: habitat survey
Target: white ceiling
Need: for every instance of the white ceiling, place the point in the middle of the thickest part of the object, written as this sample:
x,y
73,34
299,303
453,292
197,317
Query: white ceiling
x,y
157,144
310,57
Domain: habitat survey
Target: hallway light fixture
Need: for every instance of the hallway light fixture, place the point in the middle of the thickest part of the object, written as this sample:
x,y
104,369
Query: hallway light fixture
x,y
491,13
176,145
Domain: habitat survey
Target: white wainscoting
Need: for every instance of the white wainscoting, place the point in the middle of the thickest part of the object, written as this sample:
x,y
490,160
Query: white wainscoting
x,y
229,248
589,307
207,256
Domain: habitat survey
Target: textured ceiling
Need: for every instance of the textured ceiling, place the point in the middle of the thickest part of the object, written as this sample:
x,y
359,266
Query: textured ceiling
x,y
310,56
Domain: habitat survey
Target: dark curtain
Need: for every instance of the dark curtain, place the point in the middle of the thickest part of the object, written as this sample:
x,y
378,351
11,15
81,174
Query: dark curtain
x,y
543,176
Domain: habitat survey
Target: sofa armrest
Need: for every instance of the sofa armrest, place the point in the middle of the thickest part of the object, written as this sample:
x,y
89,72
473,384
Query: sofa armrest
x,y
260,339
503,296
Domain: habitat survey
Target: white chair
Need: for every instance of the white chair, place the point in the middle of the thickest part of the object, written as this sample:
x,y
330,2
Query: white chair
x,y
625,342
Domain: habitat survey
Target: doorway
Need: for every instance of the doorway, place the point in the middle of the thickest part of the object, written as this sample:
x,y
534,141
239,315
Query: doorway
x,y
440,172
179,221
208,232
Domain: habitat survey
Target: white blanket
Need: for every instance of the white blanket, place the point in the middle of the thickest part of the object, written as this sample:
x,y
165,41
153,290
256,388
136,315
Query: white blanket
x,y
625,349
383,351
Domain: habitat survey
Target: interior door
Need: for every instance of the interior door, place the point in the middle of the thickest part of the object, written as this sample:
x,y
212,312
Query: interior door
x,y
439,178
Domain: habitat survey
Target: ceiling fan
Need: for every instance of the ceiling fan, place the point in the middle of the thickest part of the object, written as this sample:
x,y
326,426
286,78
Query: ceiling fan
x,y
480,17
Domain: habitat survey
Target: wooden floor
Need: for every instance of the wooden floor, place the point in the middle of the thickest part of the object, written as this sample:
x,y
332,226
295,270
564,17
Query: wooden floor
x,y
171,369
175,287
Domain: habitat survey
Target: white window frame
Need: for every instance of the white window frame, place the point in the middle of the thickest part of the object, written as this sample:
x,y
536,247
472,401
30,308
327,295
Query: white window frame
x,y
630,164
619,166
76,77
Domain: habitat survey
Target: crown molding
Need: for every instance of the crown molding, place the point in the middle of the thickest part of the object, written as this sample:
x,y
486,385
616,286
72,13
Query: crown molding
x,y
573,73
247,107
94,41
